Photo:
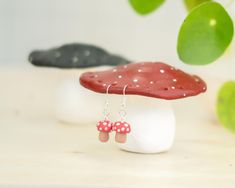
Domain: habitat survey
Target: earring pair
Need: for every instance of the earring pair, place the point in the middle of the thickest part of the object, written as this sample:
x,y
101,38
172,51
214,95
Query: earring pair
x,y
121,127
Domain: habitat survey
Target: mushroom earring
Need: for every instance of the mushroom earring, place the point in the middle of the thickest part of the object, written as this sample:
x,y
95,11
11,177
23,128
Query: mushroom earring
x,y
105,126
121,127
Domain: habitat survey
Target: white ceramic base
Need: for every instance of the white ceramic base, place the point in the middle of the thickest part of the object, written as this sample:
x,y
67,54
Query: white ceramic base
x,y
73,103
152,120
153,126
76,105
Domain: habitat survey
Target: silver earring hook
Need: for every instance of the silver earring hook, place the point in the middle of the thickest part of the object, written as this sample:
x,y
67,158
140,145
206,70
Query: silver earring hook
x,y
107,89
106,111
124,90
122,112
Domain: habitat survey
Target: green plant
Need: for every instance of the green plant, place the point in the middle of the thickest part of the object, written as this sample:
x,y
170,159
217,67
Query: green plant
x,y
145,6
205,33
190,4
226,105
204,36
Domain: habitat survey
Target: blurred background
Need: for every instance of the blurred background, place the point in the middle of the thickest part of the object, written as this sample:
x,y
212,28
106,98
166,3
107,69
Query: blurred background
x,y
26,25
30,24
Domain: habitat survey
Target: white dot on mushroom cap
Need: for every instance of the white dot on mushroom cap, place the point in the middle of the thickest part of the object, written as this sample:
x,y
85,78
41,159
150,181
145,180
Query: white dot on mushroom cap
x,y
139,70
151,82
172,87
135,80
172,68
126,124
184,94
119,76
204,88
174,80
105,123
118,130
96,76
104,84
57,54
117,123
100,129
109,125
137,86
114,70
122,128
162,71
127,129
196,79
125,66
106,128
75,59
87,53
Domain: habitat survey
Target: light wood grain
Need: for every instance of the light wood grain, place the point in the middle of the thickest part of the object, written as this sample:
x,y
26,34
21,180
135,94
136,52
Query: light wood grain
x,y
38,150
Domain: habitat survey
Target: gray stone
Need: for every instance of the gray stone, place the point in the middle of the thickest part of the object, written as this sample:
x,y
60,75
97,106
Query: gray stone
x,y
75,56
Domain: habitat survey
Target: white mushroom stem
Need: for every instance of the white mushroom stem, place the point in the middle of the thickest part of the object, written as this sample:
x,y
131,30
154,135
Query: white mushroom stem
x,y
73,103
152,125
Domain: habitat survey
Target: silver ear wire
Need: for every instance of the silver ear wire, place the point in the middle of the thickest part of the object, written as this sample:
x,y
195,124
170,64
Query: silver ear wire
x,y
106,111
122,112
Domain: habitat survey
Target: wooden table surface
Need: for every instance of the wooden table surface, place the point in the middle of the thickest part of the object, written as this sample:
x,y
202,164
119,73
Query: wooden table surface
x,y
36,149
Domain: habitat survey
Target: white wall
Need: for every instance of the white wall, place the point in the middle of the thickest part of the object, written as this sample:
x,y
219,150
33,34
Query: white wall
x,y
32,24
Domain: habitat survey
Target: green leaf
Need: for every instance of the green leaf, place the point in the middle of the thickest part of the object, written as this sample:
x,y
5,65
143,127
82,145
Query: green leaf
x,y
205,34
226,105
144,7
190,4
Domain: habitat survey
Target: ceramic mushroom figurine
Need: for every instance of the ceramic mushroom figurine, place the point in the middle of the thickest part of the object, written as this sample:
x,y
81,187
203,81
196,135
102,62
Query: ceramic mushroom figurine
x,y
75,55
74,59
151,86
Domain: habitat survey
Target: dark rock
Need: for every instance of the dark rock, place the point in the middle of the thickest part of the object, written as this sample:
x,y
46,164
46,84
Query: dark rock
x,y
75,56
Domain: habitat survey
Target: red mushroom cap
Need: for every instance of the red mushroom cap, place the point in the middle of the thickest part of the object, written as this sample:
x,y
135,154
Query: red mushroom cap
x,y
150,79
104,126
122,127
